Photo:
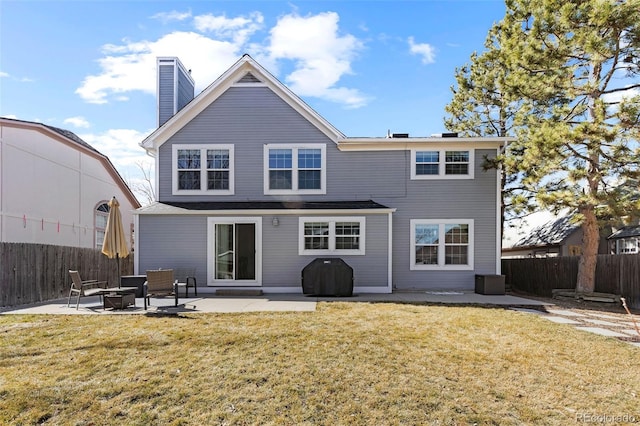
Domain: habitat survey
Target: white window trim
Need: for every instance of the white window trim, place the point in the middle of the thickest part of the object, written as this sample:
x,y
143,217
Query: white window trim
x,y
621,246
212,221
331,220
441,252
203,170
441,164
294,173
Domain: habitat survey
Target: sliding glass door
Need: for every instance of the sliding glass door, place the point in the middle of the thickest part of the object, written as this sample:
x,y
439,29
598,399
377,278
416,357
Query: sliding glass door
x,y
235,252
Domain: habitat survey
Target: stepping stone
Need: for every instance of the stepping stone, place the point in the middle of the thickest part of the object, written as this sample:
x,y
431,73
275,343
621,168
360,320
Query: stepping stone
x,y
564,313
529,311
602,331
605,316
601,322
561,320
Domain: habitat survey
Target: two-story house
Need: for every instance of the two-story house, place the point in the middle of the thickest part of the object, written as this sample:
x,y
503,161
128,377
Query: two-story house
x,y
253,185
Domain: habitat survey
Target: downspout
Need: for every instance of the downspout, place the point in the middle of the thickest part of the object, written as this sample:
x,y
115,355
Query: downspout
x,y
1,188
390,255
499,151
136,251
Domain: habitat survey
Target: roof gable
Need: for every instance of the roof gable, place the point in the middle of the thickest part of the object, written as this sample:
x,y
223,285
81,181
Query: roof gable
x,y
244,73
625,232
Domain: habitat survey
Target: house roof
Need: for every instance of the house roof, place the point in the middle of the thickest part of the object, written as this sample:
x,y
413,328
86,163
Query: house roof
x,y
245,72
266,206
625,232
552,233
70,138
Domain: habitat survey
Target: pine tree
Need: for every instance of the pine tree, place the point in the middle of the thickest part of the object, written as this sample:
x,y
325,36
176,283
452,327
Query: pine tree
x,y
574,67
481,106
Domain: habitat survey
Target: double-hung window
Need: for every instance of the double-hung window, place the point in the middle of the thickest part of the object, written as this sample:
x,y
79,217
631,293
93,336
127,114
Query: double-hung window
x,y
442,164
441,244
331,235
203,169
299,169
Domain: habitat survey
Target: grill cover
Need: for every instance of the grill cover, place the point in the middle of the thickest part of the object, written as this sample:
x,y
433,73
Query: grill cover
x,y
327,277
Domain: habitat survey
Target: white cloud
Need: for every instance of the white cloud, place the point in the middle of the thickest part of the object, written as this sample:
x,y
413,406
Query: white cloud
x,y
425,50
78,121
121,147
20,79
238,29
617,97
320,54
132,66
174,15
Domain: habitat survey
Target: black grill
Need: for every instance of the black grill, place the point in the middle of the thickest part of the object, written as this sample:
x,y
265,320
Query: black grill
x,y
328,277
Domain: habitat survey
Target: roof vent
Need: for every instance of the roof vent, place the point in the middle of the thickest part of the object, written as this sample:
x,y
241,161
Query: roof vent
x,y
400,135
249,78
445,135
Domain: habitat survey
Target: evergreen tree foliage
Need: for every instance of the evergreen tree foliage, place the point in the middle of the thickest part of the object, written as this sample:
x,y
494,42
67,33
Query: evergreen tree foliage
x,y
572,76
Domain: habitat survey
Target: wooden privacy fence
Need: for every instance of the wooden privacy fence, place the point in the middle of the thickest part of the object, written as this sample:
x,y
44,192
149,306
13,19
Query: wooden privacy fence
x,y
31,273
617,274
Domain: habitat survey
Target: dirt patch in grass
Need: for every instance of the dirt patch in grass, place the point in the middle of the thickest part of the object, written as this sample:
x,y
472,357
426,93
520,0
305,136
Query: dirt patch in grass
x,y
346,363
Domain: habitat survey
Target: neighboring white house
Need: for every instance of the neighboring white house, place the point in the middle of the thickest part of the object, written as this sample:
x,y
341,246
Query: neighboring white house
x,y
54,187
625,240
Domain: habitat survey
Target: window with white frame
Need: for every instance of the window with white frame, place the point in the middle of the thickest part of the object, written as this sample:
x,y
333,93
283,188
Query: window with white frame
x,y
442,164
199,169
297,169
331,235
441,244
627,245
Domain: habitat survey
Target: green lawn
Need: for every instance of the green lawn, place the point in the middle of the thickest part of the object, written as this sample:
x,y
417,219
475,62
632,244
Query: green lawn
x,y
346,363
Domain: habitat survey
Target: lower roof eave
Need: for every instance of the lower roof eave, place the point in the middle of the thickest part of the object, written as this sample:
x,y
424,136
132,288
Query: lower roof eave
x,y
258,210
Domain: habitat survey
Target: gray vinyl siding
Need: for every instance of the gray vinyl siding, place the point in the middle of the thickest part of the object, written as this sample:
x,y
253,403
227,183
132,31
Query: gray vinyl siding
x,y
283,266
250,117
185,90
446,199
166,98
182,243
243,117
171,242
170,102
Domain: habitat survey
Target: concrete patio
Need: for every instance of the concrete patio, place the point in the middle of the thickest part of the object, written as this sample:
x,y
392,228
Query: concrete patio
x,y
264,303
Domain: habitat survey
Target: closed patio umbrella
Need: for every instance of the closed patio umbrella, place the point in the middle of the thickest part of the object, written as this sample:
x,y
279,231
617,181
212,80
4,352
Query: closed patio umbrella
x,y
115,242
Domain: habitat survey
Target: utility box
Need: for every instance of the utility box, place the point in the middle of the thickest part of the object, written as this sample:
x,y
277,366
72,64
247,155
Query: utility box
x,y
490,284
328,277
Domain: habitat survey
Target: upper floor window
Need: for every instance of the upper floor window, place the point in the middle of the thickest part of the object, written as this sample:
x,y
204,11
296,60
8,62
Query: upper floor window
x,y
199,169
441,244
101,217
331,235
297,169
442,164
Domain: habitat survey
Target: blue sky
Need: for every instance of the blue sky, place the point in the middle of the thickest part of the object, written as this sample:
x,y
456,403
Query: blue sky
x,y
365,66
